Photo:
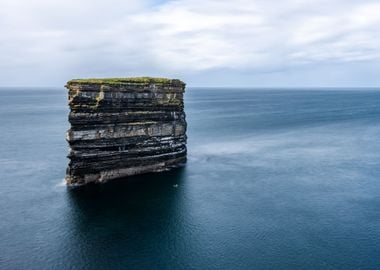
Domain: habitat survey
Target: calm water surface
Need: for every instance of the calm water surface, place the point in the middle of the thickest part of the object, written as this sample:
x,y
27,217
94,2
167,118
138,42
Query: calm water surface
x,y
276,179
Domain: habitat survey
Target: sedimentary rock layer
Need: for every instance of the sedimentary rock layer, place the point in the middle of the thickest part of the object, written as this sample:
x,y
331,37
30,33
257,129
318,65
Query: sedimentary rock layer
x,y
123,127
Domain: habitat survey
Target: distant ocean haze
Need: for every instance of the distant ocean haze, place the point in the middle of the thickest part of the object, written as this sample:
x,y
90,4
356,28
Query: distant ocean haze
x,y
275,179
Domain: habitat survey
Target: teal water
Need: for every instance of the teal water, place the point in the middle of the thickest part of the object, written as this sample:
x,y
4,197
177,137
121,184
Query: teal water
x,y
276,179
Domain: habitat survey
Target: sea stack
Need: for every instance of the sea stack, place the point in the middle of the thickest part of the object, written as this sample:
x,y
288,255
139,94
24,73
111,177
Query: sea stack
x,y
124,126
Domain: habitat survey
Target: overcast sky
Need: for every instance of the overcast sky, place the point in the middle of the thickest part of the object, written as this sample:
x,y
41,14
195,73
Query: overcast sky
x,y
203,42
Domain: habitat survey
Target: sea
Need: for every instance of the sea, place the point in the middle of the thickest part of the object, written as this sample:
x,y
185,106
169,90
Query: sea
x,y
275,179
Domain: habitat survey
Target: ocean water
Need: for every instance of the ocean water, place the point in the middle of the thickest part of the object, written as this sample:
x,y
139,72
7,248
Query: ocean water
x,y
275,179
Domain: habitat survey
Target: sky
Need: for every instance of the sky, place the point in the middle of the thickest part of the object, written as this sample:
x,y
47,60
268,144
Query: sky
x,y
243,43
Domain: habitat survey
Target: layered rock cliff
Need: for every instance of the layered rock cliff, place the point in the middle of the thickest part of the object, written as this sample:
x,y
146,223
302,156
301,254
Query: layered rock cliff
x,y
123,127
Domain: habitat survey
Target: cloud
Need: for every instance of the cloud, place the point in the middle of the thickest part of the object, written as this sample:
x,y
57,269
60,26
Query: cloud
x,y
262,34
54,40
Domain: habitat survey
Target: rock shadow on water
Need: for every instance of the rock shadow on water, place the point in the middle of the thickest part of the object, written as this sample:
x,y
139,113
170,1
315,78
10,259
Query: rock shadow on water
x,y
125,221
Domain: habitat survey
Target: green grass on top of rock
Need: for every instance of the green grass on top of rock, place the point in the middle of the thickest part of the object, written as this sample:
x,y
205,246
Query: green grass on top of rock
x,y
144,80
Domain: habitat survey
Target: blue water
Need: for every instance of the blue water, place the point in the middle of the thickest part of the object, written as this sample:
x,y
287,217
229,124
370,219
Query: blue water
x,y
276,179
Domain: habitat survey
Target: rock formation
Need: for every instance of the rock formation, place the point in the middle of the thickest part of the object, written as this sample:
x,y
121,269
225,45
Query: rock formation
x,y
124,127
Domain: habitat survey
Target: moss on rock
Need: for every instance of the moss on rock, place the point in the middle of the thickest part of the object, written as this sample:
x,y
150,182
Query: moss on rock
x,y
130,80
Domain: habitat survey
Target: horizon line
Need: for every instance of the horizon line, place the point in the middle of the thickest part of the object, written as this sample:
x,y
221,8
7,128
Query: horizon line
x,y
229,86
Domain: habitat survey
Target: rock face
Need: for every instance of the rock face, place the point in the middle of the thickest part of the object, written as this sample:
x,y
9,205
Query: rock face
x,y
124,127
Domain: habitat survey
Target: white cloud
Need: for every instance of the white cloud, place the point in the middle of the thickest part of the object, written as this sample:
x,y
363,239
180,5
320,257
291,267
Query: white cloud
x,y
62,39
201,35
